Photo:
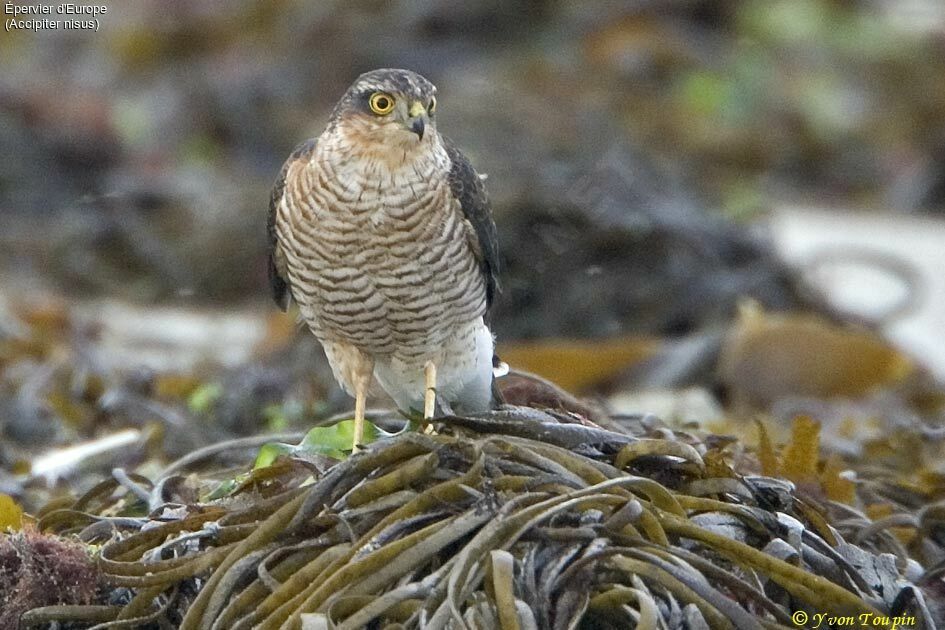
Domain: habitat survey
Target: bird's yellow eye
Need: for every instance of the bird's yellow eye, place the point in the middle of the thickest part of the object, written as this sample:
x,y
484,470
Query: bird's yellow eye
x,y
432,107
381,103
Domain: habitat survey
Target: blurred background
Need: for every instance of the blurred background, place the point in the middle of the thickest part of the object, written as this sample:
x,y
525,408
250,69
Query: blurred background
x,y
707,210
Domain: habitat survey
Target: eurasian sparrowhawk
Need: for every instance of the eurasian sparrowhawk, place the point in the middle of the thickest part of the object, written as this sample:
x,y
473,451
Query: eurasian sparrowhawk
x,y
380,230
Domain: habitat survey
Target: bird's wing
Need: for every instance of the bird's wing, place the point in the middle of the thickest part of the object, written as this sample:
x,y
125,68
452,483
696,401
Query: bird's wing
x,y
277,274
466,186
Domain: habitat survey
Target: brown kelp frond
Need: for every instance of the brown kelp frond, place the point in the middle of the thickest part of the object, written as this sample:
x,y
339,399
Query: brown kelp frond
x,y
511,519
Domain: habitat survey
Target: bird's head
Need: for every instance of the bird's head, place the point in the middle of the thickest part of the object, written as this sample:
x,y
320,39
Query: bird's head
x,y
388,108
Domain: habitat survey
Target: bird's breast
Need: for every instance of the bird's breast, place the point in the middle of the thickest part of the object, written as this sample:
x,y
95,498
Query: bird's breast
x,y
380,258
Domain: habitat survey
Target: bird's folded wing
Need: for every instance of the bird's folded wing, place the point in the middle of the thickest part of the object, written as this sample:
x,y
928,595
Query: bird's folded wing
x,y
466,186
278,280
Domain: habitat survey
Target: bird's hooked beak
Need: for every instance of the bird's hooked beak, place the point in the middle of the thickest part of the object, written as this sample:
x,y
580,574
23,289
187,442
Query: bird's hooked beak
x,y
418,118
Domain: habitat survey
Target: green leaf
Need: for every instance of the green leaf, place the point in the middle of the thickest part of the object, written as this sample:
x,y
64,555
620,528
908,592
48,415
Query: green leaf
x,y
336,437
271,451
333,441
275,416
706,93
225,488
203,398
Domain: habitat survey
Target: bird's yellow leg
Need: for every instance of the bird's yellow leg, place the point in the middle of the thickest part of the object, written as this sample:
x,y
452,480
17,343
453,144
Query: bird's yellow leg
x,y
429,394
360,395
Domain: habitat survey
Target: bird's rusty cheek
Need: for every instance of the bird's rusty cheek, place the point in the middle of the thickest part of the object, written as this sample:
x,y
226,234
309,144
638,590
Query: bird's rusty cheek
x,y
365,134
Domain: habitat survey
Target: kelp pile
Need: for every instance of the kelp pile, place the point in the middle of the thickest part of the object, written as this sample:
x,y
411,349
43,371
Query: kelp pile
x,y
518,518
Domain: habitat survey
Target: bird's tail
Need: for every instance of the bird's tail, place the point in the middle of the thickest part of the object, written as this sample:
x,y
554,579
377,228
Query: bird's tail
x,y
499,369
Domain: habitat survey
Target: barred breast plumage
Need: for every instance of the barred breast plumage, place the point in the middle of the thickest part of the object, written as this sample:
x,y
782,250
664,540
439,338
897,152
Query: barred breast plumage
x,y
376,236
379,257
